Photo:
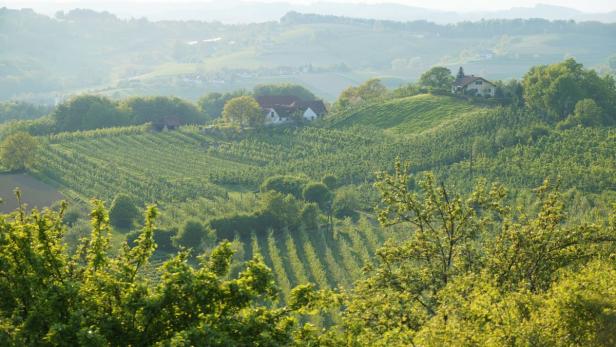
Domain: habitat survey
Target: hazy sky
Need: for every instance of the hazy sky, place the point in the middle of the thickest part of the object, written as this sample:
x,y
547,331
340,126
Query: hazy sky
x,y
481,5
453,5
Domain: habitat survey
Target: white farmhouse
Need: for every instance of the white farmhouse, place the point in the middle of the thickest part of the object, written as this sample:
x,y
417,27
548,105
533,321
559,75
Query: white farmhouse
x,y
284,108
473,85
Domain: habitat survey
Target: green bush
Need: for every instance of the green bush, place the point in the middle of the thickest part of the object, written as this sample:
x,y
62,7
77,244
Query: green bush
x,y
193,234
123,212
285,184
318,193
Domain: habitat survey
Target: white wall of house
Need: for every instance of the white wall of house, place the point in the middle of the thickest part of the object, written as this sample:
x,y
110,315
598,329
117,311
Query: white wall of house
x,y
272,117
309,114
482,88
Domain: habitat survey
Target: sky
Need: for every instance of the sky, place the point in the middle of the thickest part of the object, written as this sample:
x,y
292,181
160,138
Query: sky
x,y
450,5
481,5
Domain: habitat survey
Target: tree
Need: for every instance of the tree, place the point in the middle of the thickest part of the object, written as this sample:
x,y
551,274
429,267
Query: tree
x,y
284,89
330,181
318,193
153,109
192,235
438,78
310,216
18,151
243,110
285,184
52,297
123,211
346,202
212,104
279,211
588,113
370,90
460,73
555,89
89,112
473,271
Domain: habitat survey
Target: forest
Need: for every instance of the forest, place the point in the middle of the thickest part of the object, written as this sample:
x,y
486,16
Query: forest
x,y
406,216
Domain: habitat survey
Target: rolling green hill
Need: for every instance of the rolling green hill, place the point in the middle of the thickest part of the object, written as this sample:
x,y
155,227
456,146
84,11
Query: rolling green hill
x,y
412,114
199,173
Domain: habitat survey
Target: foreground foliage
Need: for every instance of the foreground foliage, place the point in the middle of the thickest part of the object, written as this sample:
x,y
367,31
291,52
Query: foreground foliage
x,y
477,272
468,271
50,297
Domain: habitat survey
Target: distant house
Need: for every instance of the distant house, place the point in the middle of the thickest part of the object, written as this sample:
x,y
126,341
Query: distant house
x,y
284,108
166,123
472,84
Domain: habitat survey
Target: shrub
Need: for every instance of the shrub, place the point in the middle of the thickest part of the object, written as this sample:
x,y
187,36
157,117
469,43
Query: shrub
x,y
318,193
192,234
330,181
285,184
123,212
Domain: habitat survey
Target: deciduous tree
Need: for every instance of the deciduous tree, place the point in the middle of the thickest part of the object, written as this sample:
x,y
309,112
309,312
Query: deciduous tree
x,y
243,110
18,151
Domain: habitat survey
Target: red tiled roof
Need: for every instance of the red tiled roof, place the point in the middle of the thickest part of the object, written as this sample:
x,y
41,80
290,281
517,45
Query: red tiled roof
x,y
466,80
270,101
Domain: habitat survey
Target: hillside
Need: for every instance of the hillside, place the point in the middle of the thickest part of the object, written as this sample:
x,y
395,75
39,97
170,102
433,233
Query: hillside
x,y
116,57
194,173
412,114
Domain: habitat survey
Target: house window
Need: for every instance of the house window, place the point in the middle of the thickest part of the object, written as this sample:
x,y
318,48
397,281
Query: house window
x,y
478,83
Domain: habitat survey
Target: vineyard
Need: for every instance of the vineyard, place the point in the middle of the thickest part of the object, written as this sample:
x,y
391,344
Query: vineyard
x,y
198,173
407,115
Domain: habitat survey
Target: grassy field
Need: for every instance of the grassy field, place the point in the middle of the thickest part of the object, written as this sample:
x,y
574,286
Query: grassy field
x,y
407,115
34,193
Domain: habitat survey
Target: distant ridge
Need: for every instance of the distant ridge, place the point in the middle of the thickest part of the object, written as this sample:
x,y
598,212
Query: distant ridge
x,y
238,11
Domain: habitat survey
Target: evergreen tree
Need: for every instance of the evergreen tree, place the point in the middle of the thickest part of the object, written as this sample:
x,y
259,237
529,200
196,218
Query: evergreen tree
x,y
460,74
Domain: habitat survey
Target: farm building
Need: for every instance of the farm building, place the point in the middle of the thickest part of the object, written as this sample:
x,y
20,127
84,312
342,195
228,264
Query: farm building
x,y
473,85
284,108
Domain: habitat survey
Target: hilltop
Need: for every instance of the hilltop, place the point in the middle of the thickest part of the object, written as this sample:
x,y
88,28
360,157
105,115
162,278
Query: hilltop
x,y
412,114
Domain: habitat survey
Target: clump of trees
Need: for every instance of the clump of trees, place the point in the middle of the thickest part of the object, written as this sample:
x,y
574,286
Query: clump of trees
x,y
556,89
89,112
285,184
20,110
437,78
18,151
153,109
284,89
195,236
50,296
475,271
212,104
370,90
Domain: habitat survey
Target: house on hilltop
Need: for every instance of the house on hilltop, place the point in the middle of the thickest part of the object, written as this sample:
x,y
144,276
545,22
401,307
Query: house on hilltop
x,y
473,85
284,108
